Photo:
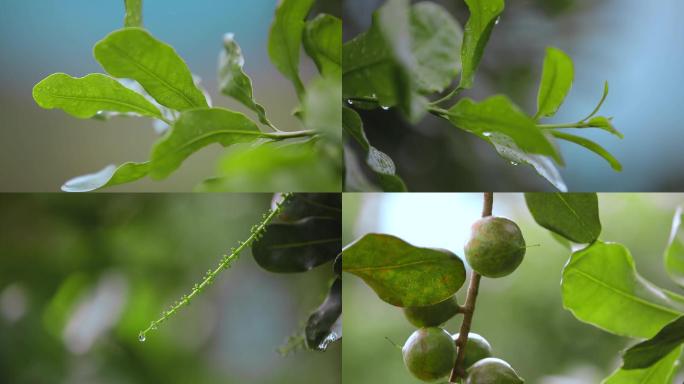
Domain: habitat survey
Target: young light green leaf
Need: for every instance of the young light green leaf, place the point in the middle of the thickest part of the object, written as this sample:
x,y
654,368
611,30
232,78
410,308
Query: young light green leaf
x,y
323,43
661,372
402,274
649,352
556,81
674,253
285,37
604,123
86,96
196,129
109,176
498,114
321,110
135,54
134,15
483,16
233,81
590,145
601,281
575,216
544,165
380,163
436,42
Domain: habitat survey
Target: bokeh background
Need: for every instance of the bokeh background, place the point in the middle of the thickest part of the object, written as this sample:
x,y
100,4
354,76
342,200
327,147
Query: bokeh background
x,y
635,45
521,315
80,276
41,149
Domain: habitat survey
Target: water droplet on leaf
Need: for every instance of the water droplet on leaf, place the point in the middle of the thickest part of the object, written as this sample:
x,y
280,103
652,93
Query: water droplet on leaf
x,y
141,337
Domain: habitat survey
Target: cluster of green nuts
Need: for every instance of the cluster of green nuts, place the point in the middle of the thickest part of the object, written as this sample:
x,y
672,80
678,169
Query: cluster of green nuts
x,y
495,249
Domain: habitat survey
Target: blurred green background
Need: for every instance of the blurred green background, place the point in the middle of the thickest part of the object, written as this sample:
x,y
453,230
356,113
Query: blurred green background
x,y
634,44
41,149
521,315
80,276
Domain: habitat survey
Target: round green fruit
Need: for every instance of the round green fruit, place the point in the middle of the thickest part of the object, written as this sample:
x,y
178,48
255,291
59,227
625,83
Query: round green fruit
x,y
429,353
492,371
477,348
432,315
496,247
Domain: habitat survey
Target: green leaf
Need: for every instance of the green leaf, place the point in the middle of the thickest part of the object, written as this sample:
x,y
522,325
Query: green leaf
x,y
289,247
483,16
282,166
134,17
556,81
324,325
600,286
85,97
662,372
674,253
285,37
378,64
402,274
109,176
135,54
302,205
436,42
606,124
498,114
233,81
196,129
590,145
323,43
574,216
544,165
649,352
380,163
321,108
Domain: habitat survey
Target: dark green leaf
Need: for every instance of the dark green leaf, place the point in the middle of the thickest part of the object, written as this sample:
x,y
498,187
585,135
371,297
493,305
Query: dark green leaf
x,y
590,145
556,81
574,216
325,323
133,53
498,114
380,163
483,16
109,176
196,129
606,124
649,352
87,96
544,165
134,16
402,274
285,38
600,286
302,205
299,166
233,81
674,253
662,372
323,43
436,42
298,246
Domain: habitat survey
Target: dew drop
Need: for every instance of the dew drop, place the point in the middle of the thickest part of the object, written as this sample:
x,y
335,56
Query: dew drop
x,y
384,107
141,337
350,102
498,19
514,163
486,134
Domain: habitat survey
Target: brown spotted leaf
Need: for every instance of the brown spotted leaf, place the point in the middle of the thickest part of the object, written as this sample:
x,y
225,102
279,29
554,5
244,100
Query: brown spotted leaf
x,y
402,274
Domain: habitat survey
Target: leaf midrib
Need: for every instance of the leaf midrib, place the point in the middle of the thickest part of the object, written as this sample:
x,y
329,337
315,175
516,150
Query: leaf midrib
x,y
583,224
395,266
105,100
304,243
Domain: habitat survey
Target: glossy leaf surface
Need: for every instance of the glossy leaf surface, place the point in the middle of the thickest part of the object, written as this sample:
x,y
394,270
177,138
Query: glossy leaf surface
x,y
674,253
109,176
402,274
649,352
590,145
87,96
556,81
133,53
321,327
575,216
323,43
601,281
483,16
662,372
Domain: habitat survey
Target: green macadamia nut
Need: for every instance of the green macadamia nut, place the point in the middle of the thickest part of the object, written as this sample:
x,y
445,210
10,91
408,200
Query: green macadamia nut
x,y
496,247
429,353
476,349
492,371
432,315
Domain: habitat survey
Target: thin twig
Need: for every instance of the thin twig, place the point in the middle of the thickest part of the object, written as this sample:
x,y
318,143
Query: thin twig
x,y
469,306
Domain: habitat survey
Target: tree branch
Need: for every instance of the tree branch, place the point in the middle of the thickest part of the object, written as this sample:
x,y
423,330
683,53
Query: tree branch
x,y
469,306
